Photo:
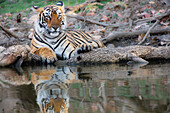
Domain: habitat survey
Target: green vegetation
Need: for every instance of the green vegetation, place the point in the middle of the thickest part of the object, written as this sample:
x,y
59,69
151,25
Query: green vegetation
x,y
16,6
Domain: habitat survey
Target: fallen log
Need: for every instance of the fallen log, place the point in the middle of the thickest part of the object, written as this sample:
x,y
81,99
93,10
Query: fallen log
x,y
117,35
10,55
135,53
112,55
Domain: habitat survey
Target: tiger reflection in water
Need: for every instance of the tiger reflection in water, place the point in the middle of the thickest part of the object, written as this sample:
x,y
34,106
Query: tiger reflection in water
x,y
52,89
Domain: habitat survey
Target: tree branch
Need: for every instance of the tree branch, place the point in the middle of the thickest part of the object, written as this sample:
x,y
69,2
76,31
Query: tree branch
x,y
117,35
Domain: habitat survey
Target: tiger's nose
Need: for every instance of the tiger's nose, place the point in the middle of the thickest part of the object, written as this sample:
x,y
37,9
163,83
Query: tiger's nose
x,y
55,27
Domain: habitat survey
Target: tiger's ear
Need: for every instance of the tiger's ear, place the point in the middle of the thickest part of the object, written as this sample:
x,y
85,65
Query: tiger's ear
x,y
60,3
37,9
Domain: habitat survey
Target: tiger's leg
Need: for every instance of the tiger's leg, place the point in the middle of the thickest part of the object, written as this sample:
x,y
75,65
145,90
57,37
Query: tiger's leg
x,y
83,48
46,54
88,47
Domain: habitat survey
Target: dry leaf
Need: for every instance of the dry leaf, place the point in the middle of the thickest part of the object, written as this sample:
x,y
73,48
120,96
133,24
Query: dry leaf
x,y
162,11
94,32
91,14
88,32
105,19
148,7
165,19
24,18
147,15
70,23
164,27
154,38
119,14
8,14
108,8
102,30
140,37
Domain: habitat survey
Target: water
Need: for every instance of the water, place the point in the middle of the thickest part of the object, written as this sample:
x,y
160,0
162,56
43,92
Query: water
x,y
112,88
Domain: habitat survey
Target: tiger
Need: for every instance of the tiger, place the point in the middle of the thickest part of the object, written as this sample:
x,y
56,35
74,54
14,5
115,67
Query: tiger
x,y
52,41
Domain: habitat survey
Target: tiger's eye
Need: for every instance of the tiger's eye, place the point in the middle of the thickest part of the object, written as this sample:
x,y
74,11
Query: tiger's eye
x,y
59,14
47,14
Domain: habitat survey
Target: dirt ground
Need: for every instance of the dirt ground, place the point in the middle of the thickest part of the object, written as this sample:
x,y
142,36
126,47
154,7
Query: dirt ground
x,y
110,13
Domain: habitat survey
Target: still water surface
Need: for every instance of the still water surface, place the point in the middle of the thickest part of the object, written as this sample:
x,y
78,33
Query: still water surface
x,y
111,88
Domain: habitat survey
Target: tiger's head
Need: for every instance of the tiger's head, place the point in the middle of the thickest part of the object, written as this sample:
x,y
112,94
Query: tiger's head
x,y
51,20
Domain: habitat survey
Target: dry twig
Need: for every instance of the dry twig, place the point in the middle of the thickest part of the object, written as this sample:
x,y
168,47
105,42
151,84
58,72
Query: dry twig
x,y
148,32
9,32
87,20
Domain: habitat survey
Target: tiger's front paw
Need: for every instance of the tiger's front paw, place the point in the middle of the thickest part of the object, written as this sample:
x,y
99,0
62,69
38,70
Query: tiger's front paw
x,y
47,55
84,48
